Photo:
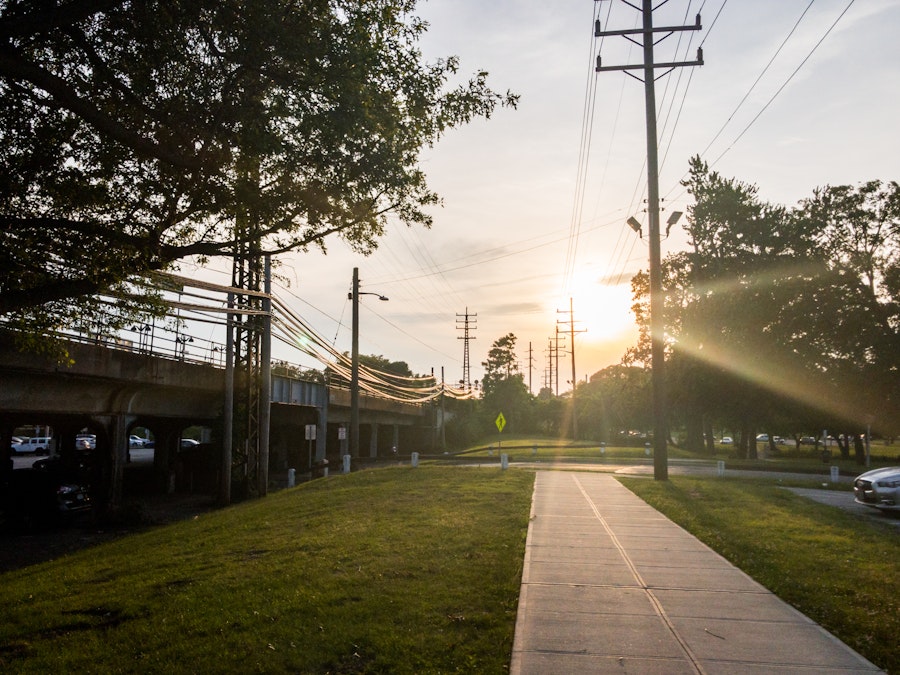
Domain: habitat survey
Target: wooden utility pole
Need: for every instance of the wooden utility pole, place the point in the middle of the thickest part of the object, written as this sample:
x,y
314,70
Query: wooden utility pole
x,y
657,327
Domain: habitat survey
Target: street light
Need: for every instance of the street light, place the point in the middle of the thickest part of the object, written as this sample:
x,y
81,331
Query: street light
x,y
181,343
354,363
657,326
674,217
635,225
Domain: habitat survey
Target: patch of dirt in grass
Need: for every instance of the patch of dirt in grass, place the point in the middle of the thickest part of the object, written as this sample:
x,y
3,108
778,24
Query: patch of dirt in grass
x,y
18,550
92,618
12,651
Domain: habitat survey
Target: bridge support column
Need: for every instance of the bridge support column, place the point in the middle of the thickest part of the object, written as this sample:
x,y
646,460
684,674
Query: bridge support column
x,y
118,456
321,434
373,441
6,463
396,444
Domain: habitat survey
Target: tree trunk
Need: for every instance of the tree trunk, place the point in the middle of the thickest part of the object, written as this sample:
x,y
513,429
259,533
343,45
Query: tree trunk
x,y
694,440
843,441
710,439
748,438
859,449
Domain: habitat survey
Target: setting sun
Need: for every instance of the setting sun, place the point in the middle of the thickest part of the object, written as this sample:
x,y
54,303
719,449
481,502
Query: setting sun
x,y
604,311
604,322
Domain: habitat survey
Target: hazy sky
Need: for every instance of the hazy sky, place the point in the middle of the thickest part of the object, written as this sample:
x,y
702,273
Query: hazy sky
x,y
535,199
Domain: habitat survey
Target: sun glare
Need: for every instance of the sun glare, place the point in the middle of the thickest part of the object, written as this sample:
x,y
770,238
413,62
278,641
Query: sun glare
x,y
604,322
603,311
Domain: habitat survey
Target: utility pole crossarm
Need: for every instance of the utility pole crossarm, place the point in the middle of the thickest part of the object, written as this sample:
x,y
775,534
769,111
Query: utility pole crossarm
x,y
648,30
640,31
641,66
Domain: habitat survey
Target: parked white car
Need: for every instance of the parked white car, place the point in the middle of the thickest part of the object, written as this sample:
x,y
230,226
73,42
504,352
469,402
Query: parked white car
x,y
135,441
879,488
39,445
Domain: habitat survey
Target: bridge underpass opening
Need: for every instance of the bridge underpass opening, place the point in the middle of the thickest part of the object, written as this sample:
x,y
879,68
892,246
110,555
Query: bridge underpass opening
x,y
44,455
169,456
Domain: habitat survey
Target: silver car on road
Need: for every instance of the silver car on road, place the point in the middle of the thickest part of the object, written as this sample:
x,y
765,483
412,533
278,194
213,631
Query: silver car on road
x,y
879,488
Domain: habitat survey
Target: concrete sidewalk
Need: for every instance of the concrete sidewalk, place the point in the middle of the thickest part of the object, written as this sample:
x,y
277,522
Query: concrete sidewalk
x,y
612,586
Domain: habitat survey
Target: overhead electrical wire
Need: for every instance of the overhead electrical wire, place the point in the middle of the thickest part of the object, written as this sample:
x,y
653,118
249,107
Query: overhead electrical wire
x,y
777,92
787,81
291,329
587,124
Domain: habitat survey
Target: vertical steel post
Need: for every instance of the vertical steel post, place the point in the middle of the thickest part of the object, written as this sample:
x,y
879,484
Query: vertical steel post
x,y
265,382
354,370
228,412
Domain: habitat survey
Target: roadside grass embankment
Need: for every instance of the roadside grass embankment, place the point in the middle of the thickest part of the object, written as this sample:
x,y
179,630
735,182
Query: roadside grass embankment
x,y
527,448
786,458
840,570
394,570
403,570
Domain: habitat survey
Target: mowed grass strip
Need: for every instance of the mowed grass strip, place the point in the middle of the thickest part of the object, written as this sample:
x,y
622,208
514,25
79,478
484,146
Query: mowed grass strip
x,y
524,451
395,570
841,570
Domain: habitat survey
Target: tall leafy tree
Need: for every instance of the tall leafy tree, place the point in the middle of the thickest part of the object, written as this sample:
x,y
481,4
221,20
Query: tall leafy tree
x,y
501,364
616,401
135,134
777,313
504,387
859,308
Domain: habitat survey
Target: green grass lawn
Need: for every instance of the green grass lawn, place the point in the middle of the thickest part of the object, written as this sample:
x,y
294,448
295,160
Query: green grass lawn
x,y
840,570
403,570
383,571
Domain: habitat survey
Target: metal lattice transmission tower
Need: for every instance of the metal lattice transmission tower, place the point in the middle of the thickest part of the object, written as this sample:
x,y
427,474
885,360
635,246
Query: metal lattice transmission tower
x,y
245,351
466,324
248,350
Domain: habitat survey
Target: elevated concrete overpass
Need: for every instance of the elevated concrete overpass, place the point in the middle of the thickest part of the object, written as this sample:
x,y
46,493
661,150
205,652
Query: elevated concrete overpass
x,y
112,391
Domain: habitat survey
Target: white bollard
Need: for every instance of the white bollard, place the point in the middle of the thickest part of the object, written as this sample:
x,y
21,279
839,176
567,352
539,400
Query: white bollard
x,y
504,461
603,448
490,451
346,463
533,449
720,469
414,459
835,474
292,477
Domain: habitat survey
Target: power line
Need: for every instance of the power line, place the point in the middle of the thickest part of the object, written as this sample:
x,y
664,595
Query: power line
x,y
773,97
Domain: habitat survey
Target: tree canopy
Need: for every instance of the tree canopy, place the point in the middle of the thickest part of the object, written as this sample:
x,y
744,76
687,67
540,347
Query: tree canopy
x,y
136,134
503,386
781,314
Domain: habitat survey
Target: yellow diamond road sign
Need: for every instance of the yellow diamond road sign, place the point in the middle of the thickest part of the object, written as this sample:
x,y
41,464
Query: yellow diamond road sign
x,y
500,422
